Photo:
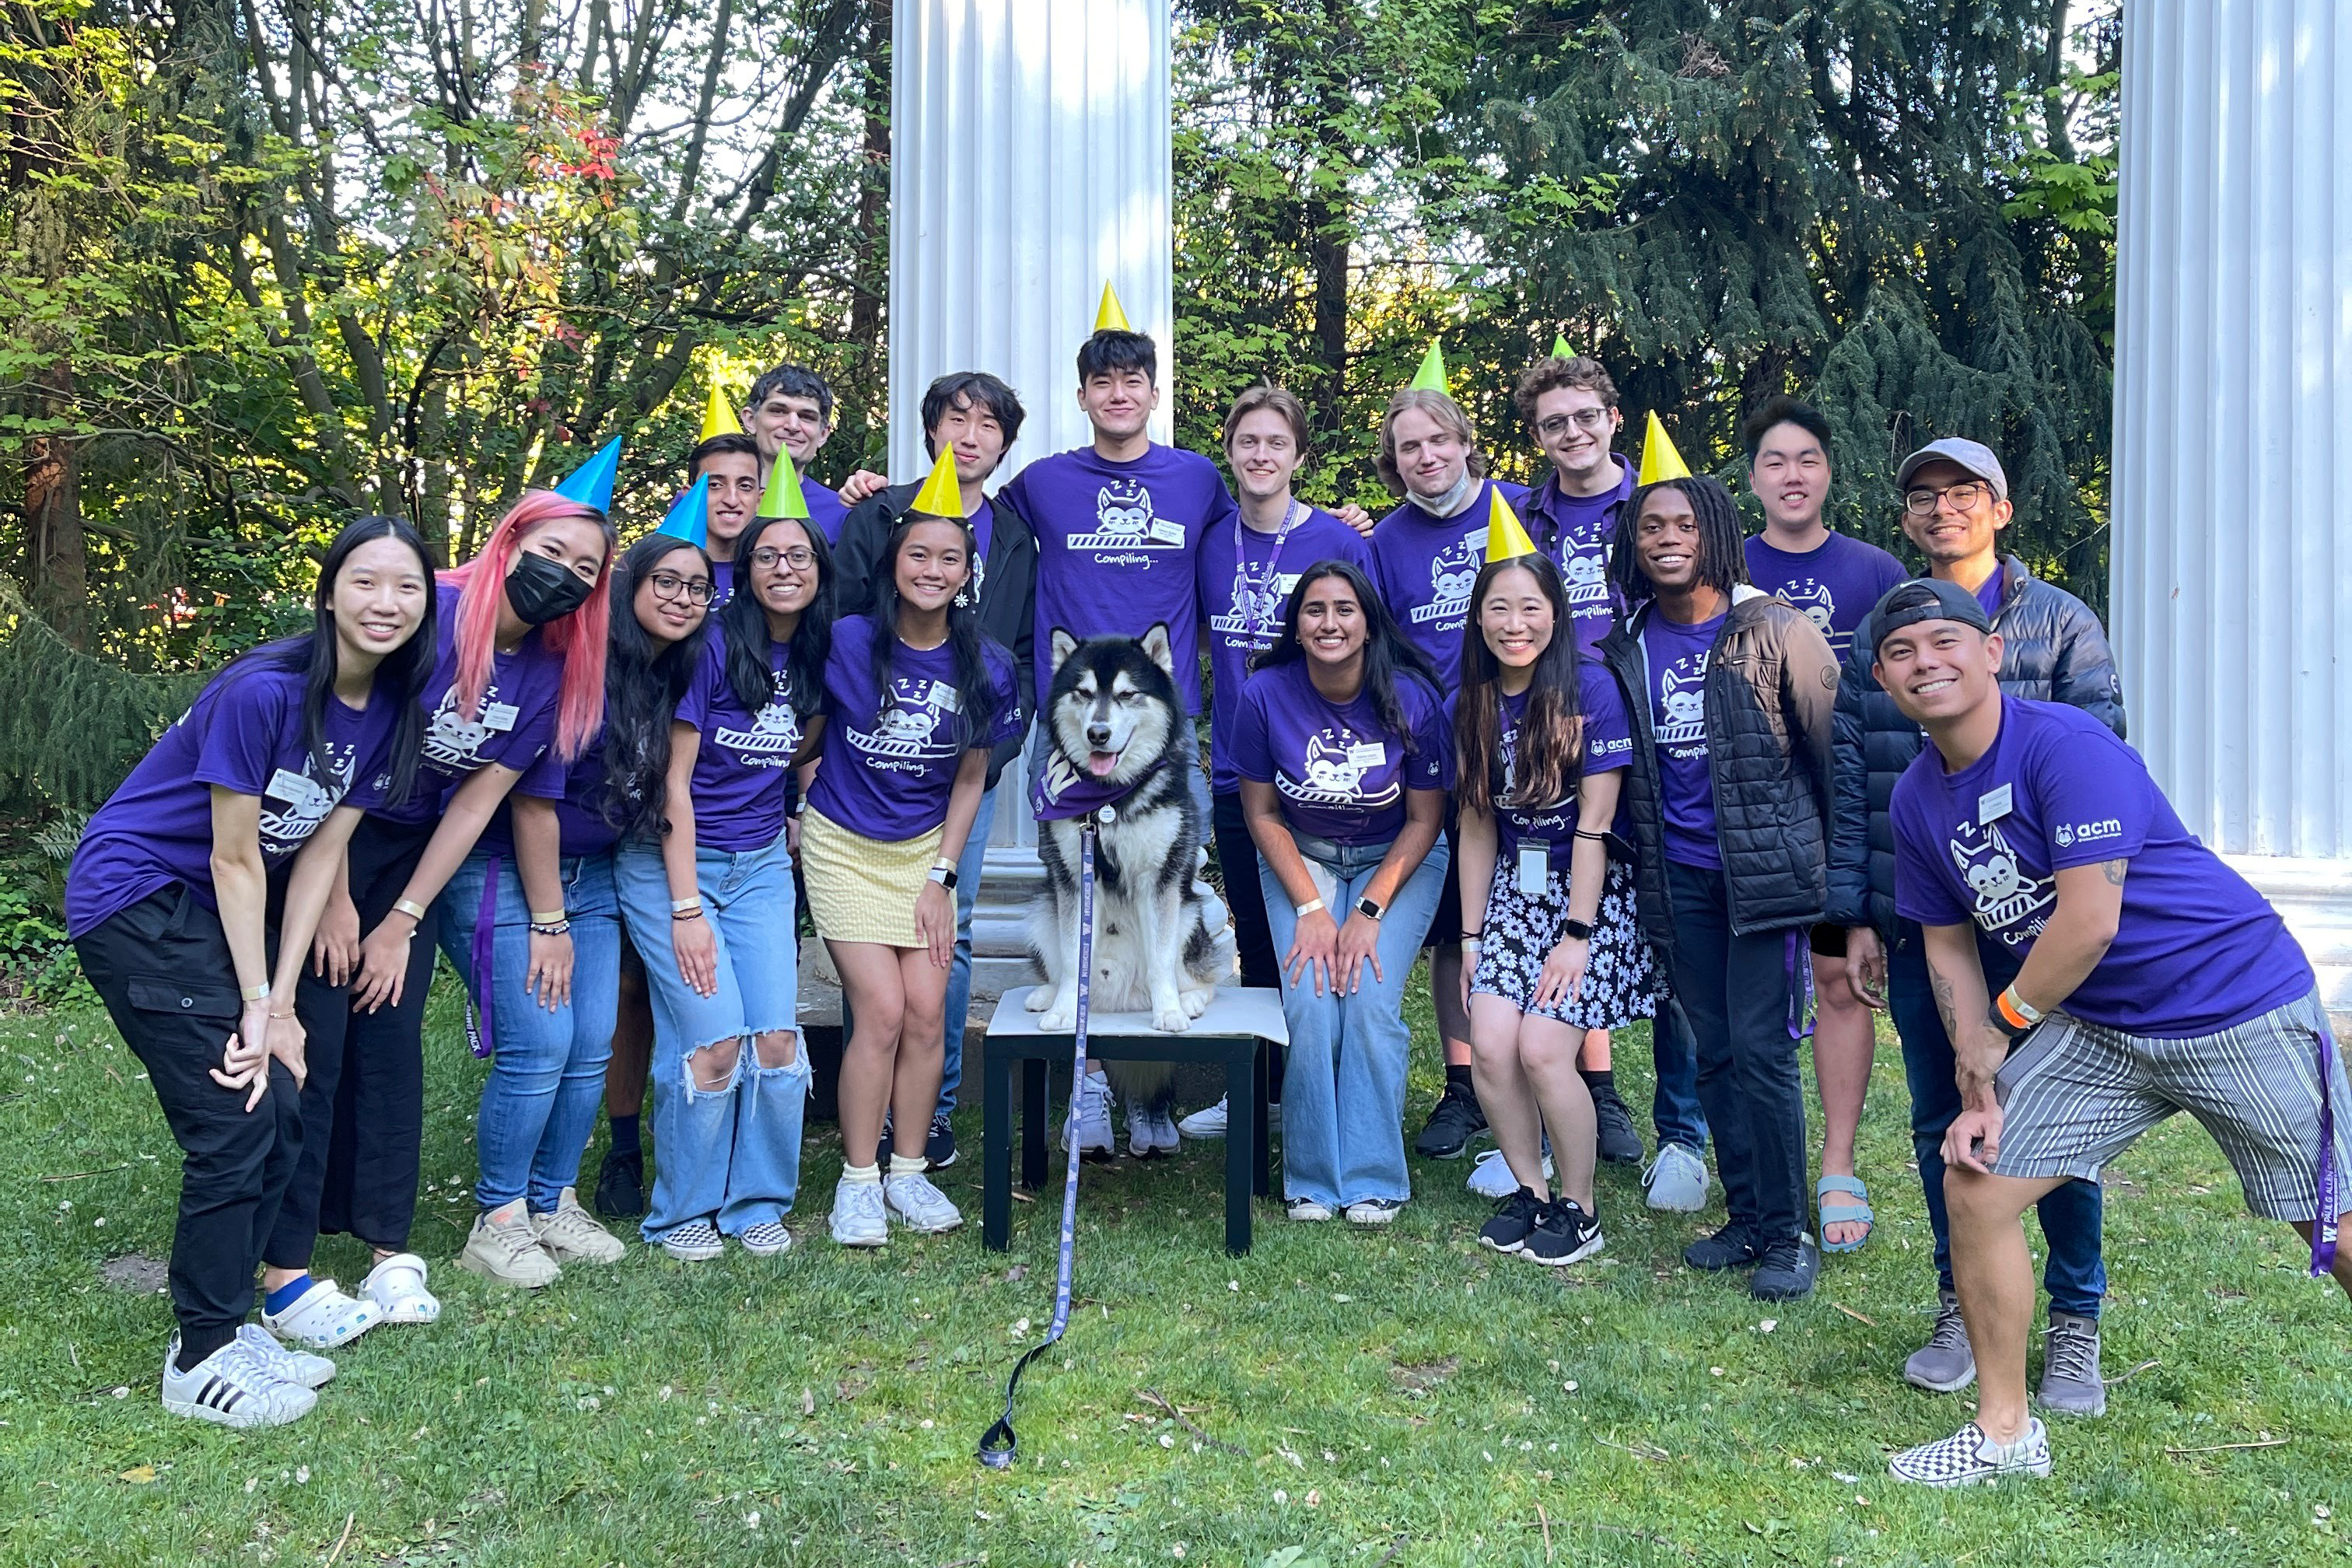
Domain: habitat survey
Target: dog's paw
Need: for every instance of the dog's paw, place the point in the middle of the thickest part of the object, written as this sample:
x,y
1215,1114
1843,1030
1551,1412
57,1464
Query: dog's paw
x,y
1172,1020
1040,998
1196,1002
1058,1019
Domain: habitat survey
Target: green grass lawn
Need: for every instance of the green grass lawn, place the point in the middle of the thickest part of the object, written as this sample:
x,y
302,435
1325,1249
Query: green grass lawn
x,y
1366,1397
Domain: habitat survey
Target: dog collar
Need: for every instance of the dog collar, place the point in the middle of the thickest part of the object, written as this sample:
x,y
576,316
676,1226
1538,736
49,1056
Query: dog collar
x,y
1061,792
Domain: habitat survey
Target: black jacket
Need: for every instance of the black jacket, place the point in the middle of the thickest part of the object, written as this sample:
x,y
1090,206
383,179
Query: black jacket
x,y
1771,683
1008,585
2053,651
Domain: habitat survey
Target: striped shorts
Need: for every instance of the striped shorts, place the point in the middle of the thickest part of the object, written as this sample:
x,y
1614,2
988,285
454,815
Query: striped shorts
x,y
2075,1095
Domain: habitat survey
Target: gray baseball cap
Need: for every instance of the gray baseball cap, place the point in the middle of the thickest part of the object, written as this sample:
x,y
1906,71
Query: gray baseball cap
x,y
1974,457
1919,599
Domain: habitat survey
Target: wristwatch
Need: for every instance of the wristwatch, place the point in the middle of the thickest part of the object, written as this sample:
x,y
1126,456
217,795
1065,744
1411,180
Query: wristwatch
x,y
1576,928
1369,908
944,874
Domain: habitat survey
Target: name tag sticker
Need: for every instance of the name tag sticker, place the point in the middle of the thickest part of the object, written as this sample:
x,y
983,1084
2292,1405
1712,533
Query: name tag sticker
x,y
1993,805
288,785
1168,531
943,697
1286,582
500,716
1535,867
1367,754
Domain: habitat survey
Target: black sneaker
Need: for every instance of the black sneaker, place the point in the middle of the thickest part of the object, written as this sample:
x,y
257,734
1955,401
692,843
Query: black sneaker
x,y
1514,1217
1564,1234
940,1150
621,1186
1730,1247
1613,1127
1451,1125
1786,1270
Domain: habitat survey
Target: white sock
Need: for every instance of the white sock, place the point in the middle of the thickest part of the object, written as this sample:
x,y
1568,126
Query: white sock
x,y
862,1176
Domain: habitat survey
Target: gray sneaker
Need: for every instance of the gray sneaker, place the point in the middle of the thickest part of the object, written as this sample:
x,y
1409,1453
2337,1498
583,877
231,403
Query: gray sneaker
x,y
1945,1363
1676,1179
2071,1384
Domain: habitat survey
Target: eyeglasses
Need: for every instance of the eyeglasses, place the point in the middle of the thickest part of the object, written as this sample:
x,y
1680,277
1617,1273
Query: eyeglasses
x,y
1922,503
1588,419
669,586
799,558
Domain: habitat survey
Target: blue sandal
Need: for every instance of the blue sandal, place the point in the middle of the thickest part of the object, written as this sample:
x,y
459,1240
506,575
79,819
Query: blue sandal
x,y
1857,1212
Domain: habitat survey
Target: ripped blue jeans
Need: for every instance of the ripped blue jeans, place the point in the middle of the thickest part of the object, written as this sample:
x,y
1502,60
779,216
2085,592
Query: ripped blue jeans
x,y
729,1154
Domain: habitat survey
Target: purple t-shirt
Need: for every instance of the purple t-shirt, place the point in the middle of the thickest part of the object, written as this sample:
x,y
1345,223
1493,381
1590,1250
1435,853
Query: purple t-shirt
x,y
743,763
1244,590
2197,949
1834,584
825,509
1608,747
579,808
1989,593
1427,566
243,732
515,724
1578,532
1341,773
890,760
1115,547
1675,657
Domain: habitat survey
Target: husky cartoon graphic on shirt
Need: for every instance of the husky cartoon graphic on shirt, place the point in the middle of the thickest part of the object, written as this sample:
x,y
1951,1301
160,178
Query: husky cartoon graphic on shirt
x,y
1453,572
2010,903
1334,764
1582,552
1124,520
1255,615
774,734
454,742
917,724
294,804
1812,598
1682,704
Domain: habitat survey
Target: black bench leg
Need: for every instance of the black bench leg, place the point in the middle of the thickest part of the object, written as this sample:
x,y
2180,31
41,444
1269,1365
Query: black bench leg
x,y
1261,1092
996,1150
1242,1153
1033,1122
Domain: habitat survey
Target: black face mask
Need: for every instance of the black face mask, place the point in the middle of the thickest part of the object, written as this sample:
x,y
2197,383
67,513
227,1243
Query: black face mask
x,y
542,590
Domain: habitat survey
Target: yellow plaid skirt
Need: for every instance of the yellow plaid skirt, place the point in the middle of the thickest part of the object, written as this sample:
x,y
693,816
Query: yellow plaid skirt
x,y
860,888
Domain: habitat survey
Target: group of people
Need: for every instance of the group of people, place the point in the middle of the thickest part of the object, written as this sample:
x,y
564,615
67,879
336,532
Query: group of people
x,y
1601,757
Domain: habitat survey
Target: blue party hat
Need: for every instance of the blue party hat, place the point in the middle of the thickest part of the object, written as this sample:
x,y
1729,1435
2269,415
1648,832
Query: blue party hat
x,y
591,483
690,515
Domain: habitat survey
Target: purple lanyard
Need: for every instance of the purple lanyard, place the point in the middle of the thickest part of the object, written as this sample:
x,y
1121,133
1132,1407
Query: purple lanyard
x,y
2323,1221
482,1039
1254,631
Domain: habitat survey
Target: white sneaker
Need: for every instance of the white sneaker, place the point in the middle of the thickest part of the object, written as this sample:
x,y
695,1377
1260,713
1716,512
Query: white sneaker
x,y
1206,1123
290,1366
1307,1210
1096,1140
323,1317
765,1239
398,1286
1676,1179
859,1217
571,1234
1491,1176
503,1248
232,1387
696,1241
915,1202
1374,1211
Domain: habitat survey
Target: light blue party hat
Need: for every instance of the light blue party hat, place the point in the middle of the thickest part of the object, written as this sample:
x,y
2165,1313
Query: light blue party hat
x,y
690,515
591,483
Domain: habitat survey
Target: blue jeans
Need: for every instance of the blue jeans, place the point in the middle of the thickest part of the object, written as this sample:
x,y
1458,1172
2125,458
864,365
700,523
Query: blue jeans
x,y
547,1078
969,869
732,1154
1343,1091
2073,1216
1675,1109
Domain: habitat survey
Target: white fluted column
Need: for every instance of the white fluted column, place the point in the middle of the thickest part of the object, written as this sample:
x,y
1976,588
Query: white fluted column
x,y
1029,164
2231,559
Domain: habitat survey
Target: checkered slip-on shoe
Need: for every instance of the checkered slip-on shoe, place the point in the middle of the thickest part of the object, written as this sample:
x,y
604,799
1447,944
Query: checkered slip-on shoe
x,y
1968,1458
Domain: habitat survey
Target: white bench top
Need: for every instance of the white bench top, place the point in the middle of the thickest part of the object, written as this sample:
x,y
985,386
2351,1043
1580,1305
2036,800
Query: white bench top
x,y
1237,1010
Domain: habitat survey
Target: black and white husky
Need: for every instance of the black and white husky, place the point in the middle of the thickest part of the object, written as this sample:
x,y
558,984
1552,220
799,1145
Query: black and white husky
x,y
1115,728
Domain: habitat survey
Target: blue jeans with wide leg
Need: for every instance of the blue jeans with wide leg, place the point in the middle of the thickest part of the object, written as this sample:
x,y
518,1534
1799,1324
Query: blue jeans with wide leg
x,y
1343,1091
2073,1216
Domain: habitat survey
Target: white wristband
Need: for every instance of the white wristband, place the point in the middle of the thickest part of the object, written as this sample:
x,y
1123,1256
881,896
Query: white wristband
x,y
1308,908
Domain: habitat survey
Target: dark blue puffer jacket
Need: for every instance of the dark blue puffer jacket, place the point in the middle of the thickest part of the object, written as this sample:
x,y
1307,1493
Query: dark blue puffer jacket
x,y
2052,650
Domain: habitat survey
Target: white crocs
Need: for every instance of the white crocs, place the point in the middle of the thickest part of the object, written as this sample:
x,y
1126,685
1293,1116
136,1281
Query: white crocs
x,y
323,1317
397,1286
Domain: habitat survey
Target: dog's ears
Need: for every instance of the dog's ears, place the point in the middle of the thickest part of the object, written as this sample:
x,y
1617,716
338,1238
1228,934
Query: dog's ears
x,y
1157,648
1062,642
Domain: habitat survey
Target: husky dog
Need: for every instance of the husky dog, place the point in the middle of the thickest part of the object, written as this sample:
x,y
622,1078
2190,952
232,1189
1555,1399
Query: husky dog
x,y
1113,722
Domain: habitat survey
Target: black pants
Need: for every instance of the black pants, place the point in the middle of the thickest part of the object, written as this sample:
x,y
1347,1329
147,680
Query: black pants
x,y
363,1106
164,970
1736,991
1245,894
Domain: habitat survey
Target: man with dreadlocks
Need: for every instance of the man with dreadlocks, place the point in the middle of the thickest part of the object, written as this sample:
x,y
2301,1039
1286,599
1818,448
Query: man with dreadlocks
x,y
1730,694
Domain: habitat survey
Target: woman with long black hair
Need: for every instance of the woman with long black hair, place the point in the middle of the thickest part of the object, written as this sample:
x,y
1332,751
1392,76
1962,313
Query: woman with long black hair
x,y
916,696
1542,738
167,903
1341,750
519,670
550,990
708,902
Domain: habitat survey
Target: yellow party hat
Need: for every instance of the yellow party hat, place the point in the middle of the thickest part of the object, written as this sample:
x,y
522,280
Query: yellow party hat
x,y
719,414
1108,318
941,495
1430,376
1659,458
783,498
1506,539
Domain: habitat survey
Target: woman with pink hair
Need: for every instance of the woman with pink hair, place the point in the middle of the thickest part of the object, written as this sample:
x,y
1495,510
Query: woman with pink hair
x,y
518,689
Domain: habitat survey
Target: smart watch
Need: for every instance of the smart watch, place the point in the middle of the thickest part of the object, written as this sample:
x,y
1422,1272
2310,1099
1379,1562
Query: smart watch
x,y
1369,908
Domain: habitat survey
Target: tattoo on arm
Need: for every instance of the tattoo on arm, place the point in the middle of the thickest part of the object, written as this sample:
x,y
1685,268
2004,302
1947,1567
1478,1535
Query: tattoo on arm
x,y
2114,871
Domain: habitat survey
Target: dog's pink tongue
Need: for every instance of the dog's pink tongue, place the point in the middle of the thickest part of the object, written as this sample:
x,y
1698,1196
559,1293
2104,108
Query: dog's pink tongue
x,y
1100,763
